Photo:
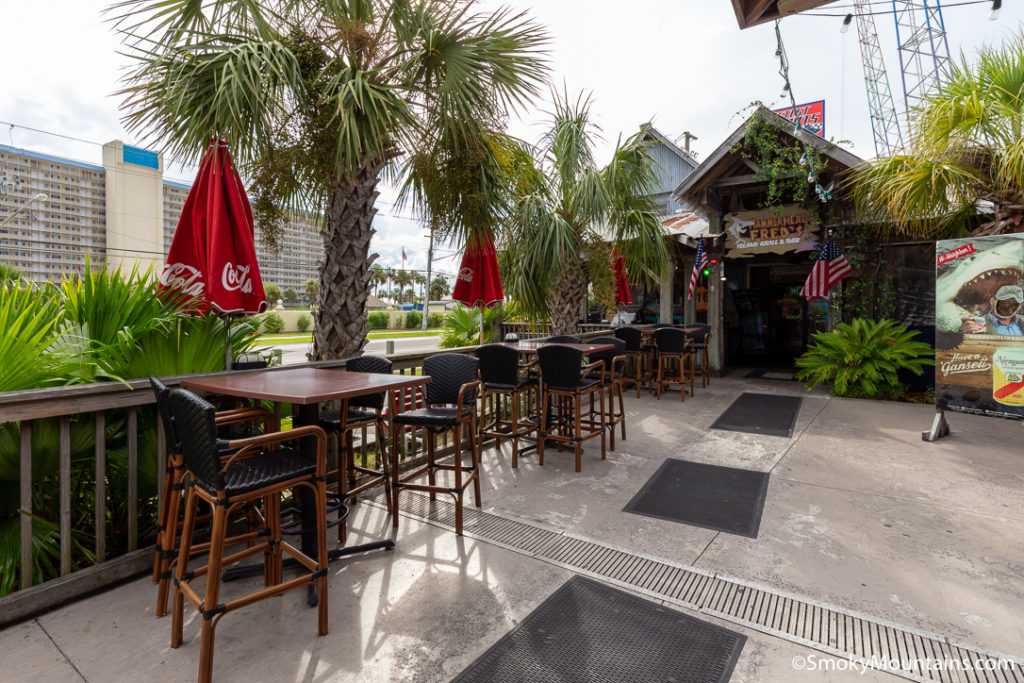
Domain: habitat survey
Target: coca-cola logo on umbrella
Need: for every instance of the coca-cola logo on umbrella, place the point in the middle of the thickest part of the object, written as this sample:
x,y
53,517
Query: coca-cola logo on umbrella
x,y
466,275
236,278
182,277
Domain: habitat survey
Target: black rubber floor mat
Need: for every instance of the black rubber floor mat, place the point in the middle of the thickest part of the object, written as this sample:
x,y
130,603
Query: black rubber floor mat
x,y
769,414
589,632
720,498
780,375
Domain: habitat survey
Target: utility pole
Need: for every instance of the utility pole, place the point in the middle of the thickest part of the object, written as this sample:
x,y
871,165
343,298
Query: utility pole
x,y
426,297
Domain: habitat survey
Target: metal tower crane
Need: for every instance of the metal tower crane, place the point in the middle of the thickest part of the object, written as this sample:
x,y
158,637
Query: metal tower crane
x,y
884,123
923,47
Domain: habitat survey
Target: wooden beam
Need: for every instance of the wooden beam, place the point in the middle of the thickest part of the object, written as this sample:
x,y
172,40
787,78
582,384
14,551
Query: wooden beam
x,y
758,8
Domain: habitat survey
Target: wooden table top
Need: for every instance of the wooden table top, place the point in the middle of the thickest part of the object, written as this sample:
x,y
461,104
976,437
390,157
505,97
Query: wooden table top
x,y
304,385
585,348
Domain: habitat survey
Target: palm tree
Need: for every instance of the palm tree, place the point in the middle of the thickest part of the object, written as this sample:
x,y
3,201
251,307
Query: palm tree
x,y
311,288
567,214
439,288
420,280
403,278
318,98
966,155
378,277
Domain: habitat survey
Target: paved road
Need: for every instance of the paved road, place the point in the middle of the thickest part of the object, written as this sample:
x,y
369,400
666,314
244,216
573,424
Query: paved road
x,y
296,353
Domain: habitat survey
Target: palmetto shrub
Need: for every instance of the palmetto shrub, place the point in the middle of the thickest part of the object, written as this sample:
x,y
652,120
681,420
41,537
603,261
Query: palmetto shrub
x,y
272,323
863,358
102,325
303,322
413,319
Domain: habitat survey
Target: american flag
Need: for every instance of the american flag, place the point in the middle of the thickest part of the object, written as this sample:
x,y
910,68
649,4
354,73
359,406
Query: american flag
x,y
403,254
699,264
830,268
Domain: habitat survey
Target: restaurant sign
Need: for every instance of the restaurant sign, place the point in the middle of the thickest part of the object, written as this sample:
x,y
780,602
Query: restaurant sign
x,y
979,332
768,231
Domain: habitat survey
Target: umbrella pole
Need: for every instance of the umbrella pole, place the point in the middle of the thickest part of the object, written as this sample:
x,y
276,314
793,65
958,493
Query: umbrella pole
x,y
481,325
227,339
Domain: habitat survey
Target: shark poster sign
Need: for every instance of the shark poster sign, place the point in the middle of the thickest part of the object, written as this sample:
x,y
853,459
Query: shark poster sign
x,y
768,231
979,330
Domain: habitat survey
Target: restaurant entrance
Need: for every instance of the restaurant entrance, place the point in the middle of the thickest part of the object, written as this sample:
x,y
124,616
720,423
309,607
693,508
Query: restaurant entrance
x,y
773,322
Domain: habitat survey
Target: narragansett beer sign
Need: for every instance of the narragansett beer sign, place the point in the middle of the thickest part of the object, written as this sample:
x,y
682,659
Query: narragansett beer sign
x,y
768,231
979,332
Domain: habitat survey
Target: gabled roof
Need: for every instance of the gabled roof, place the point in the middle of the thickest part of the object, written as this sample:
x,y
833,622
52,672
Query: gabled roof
x,y
656,135
687,228
722,160
753,12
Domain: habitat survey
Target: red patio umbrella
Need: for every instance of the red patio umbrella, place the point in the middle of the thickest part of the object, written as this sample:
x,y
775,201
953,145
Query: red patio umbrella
x,y
213,253
622,293
478,283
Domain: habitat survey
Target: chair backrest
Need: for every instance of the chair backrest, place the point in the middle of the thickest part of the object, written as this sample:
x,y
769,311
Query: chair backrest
x,y
607,356
376,364
163,409
698,333
499,364
633,337
195,423
249,361
564,339
670,340
448,372
560,365
658,326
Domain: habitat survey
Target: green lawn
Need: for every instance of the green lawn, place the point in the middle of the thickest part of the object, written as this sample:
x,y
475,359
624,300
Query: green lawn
x,y
296,338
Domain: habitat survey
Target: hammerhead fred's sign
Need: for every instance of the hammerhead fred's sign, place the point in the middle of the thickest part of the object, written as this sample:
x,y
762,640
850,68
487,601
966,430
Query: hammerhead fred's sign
x,y
979,332
768,231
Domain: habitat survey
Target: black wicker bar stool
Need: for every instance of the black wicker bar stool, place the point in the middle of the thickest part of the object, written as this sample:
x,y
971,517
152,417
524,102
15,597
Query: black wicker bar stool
x,y
502,378
675,360
611,377
259,470
643,367
355,413
563,385
167,521
449,402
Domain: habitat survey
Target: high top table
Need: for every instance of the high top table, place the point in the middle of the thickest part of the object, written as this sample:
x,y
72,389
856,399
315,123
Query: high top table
x,y
307,388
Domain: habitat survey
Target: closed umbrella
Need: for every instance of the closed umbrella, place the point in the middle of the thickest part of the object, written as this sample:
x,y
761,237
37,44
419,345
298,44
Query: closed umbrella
x,y
479,283
213,253
622,293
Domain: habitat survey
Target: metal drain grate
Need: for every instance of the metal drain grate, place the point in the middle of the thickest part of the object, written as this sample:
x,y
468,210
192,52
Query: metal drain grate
x,y
840,632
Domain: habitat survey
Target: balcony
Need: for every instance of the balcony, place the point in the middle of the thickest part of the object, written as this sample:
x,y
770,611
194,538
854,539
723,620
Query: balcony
x,y
872,544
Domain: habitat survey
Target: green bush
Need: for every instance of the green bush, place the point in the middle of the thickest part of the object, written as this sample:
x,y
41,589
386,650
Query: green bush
x,y
861,359
413,319
378,320
435,320
273,323
304,322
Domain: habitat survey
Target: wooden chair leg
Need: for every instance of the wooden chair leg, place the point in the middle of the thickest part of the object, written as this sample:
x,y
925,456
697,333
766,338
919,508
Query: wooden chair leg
x,y
609,417
604,451
321,556
382,430
431,460
161,541
218,529
457,438
515,429
167,538
475,458
577,427
545,398
622,410
184,551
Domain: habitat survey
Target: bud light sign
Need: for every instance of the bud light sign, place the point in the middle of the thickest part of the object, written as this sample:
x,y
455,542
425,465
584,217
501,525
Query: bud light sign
x,y
811,116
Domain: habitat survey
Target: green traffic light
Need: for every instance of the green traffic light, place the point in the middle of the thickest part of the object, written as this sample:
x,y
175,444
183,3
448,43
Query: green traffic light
x,y
706,272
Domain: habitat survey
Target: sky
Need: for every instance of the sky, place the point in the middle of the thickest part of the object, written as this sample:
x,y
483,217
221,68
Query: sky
x,y
683,65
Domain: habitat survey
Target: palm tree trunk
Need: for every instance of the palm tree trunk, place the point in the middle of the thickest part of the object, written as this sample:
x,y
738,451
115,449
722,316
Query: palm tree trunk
x,y
566,300
340,330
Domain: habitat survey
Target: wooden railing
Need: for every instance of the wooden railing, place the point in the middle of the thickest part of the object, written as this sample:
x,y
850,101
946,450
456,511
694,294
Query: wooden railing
x,y
103,405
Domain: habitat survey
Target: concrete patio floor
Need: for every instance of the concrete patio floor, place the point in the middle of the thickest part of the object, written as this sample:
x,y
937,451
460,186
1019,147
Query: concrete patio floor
x,y
861,516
